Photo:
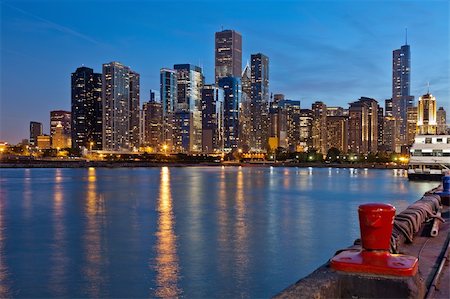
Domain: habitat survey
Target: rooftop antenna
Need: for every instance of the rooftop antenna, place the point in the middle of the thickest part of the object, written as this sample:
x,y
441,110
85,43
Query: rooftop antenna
x,y
406,35
428,84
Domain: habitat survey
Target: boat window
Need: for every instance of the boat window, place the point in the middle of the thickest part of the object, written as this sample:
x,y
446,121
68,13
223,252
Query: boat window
x,y
439,140
427,140
437,153
417,152
446,154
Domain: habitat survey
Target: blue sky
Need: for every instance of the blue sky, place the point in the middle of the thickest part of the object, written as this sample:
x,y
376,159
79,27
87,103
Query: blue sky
x,y
333,51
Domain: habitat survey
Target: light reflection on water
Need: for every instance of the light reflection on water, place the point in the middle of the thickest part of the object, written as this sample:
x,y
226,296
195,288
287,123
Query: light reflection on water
x,y
168,232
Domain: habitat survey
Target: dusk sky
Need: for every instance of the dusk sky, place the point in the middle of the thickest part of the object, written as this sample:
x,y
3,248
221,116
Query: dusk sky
x,y
333,51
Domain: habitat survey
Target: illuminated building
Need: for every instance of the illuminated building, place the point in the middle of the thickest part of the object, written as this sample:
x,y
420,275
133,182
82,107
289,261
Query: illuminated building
x,y
335,111
212,119
232,91
43,142
181,128
401,98
259,109
319,133
426,115
189,95
363,126
59,139
306,124
245,124
441,120
168,95
60,117
228,54
412,124
152,111
120,94
86,109
337,133
389,125
35,131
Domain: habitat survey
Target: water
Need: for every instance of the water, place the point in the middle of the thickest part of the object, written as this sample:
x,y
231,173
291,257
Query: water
x,y
196,232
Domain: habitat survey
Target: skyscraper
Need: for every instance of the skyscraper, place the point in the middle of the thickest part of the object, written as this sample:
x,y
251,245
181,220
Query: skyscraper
x,y
189,94
291,117
363,126
228,54
35,131
306,125
244,110
153,123
120,95
401,98
337,133
212,119
426,114
86,109
319,133
259,109
60,117
232,90
168,95
441,120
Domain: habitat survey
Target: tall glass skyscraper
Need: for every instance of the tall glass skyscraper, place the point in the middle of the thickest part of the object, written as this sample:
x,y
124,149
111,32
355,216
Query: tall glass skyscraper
x,y
232,97
86,127
120,95
259,102
228,54
212,119
189,95
401,98
168,94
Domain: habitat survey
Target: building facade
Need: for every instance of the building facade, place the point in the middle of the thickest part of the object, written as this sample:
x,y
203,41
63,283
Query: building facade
x,y
120,97
228,54
441,120
337,133
35,131
306,129
319,133
426,115
212,119
189,95
259,108
168,95
232,91
363,126
153,122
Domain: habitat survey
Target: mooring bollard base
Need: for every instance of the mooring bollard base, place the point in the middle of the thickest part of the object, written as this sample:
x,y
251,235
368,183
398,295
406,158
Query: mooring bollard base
x,y
375,262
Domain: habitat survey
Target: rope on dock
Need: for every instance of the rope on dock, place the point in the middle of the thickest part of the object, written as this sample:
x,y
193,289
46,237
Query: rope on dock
x,y
408,222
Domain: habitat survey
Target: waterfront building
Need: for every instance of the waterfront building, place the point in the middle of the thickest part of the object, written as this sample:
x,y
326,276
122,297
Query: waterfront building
x,y
43,142
363,126
189,95
441,120
168,95
86,109
245,124
35,131
59,139
259,109
232,91
277,126
120,95
212,119
426,115
380,144
319,133
401,98
153,122
335,111
306,125
60,117
291,124
181,131
337,133
389,125
228,54
412,124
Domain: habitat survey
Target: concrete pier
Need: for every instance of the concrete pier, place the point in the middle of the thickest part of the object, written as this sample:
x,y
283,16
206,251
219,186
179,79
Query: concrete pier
x,y
431,281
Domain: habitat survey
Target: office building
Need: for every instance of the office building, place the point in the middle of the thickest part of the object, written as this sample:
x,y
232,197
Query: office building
x,y
35,131
120,95
212,119
189,95
153,122
363,126
426,115
228,54
168,95
401,98
245,124
60,117
319,133
86,109
337,133
232,91
441,120
259,108
59,138
306,128
43,142
290,124
411,117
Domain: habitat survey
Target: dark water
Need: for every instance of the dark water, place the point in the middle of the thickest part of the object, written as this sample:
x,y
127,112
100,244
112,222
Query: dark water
x,y
194,232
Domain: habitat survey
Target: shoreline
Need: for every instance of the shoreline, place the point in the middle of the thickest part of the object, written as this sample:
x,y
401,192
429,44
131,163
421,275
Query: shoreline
x,y
131,164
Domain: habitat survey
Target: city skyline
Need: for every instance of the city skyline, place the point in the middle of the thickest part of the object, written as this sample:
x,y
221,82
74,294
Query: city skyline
x,y
296,83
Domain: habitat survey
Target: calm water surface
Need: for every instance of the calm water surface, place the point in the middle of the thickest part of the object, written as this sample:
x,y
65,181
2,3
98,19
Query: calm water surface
x,y
195,232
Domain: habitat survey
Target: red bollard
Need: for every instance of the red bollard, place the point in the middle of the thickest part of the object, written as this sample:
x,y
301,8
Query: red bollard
x,y
375,222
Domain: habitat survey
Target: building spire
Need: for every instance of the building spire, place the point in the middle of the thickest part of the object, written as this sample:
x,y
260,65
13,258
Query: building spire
x,y
406,35
428,85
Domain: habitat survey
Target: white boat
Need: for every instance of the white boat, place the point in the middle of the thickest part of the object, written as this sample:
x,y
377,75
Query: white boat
x,y
429,157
